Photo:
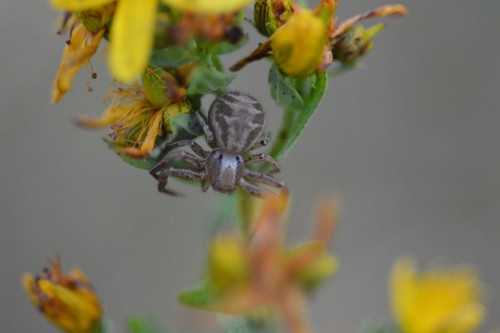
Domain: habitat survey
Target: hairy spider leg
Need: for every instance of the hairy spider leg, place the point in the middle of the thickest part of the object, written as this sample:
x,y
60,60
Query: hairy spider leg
x,y
254,190
181,173
266,158
209,135
265,179
184,156
191,143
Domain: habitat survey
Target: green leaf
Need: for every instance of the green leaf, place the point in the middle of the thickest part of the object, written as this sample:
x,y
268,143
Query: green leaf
x,y
185,126
296,119
173,56
138,324
200,298
283,89
206,79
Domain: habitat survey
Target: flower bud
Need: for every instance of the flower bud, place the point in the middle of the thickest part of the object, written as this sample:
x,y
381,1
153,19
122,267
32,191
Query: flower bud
x,y
66,300
298,46
227,263
269,15
355,43
311,265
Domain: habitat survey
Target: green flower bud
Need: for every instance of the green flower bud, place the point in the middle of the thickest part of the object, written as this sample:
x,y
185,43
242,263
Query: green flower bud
x,y
355,43
269,15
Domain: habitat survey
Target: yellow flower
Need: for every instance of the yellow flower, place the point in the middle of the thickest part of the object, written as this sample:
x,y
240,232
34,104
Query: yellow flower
x,y
131,36
207,6
136,123
227,263
133,27
66,300
442,300
298,46
82,45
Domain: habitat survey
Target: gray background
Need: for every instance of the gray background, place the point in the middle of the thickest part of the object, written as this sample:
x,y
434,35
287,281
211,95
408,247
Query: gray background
x,y
410,145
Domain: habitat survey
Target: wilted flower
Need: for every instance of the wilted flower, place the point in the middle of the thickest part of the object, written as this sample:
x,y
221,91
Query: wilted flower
x,y
65,299
439,300
136,121
247,276
350,42
85,37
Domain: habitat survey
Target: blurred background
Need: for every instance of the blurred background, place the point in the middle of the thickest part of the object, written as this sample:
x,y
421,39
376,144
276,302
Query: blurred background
x,y
409,144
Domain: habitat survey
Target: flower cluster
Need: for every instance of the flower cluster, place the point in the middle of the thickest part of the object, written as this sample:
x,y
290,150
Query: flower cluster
x,y
258,275
163,55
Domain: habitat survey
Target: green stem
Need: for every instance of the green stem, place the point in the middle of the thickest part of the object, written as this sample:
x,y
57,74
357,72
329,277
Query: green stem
x,y
283,133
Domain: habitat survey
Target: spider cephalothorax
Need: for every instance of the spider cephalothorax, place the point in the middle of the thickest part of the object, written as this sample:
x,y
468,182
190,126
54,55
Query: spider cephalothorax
x,y
234,127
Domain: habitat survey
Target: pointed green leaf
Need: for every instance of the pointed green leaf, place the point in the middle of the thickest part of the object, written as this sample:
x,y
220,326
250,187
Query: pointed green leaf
x,y
173,56
184,127
206,79
283,89
296,119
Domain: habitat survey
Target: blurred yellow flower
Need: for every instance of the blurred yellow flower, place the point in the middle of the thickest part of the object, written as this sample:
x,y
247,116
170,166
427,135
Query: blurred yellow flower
x,y
131,36
207,6
227,263
82,45
441,300
66,300
133,27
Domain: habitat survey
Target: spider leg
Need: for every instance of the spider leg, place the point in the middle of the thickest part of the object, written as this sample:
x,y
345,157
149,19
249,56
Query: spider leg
x,y
254,189
266,158
191,143
265,179
184,156
209,135
181,173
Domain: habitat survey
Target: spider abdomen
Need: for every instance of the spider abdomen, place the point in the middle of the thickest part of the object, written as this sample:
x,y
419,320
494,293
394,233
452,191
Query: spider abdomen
x,y
237,120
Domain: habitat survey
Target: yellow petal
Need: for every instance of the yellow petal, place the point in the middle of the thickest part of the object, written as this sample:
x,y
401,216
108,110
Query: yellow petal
x,y
83,45
131,38
298,46
207,6
78,5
